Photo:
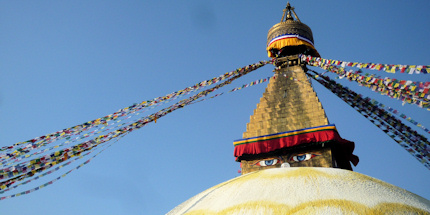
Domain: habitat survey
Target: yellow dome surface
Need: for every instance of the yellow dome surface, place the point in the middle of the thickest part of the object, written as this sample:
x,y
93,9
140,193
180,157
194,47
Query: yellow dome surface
x,y
304,190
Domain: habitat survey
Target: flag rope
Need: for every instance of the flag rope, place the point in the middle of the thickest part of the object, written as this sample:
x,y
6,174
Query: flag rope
x,y
35,168
416,144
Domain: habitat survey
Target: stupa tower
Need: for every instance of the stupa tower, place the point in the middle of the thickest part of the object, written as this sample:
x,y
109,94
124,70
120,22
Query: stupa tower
x,y
289,127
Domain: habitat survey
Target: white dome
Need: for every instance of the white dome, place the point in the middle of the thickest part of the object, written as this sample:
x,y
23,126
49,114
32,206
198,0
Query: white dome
x,y
304,190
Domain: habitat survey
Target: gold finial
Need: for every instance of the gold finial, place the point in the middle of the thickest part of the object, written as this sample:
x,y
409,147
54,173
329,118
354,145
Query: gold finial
x,y
288,9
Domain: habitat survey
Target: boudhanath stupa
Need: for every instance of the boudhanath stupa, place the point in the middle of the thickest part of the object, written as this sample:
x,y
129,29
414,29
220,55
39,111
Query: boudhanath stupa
x,y
293,160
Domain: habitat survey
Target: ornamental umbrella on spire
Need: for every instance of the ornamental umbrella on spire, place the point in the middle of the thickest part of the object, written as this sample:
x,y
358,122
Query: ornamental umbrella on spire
x,y
290,37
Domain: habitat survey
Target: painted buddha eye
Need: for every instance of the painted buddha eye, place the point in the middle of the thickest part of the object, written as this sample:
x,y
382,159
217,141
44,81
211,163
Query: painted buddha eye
x,y
302,157
270,162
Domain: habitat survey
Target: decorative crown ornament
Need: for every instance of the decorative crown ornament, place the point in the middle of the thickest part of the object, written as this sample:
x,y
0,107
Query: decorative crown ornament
x,y
290,33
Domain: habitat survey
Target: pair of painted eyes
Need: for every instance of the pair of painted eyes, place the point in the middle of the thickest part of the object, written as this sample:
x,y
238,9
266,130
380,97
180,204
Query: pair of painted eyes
x,y
295,158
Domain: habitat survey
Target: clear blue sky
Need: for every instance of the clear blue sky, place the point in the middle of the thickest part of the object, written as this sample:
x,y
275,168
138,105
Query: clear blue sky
x,y
63,63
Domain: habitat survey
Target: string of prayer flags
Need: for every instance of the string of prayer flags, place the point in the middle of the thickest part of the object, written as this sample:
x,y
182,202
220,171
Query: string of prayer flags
x,y
238,88
48,138
5,187
392,120
250,84
403,116
384,116
416,144
390,68
416,93
47,173
12,151
20,162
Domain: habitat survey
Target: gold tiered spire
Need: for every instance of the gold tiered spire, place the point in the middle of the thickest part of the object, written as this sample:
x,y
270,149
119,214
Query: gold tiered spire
x,y
289,103
289,126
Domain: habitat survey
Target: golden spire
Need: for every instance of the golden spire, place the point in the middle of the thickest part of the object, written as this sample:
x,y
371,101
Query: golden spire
x,y
289,127
288,103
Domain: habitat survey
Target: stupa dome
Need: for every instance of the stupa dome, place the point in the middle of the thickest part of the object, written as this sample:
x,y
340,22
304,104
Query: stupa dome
x,y
290,37
304,190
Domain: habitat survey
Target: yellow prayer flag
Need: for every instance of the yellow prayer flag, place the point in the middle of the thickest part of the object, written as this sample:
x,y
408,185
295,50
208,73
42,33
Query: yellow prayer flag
x,y
386,68
378,66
